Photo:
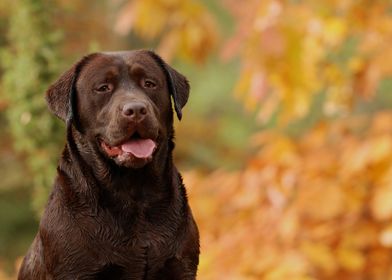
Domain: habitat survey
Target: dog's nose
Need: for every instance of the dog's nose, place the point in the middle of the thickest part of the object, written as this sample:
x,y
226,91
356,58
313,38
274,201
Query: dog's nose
x,y
135,111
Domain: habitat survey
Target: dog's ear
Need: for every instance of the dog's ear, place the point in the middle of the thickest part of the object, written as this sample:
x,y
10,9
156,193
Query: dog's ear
x,y
59,95
179,89
177,83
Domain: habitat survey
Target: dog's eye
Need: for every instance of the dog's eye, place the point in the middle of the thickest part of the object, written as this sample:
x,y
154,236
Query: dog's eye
x,y
148,84
104,88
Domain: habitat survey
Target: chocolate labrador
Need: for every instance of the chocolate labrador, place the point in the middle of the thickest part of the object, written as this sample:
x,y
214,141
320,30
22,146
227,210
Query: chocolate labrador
x,y
118,208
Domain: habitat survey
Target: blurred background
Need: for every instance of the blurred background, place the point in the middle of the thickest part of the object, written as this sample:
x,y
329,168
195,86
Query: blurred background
x,y
285,144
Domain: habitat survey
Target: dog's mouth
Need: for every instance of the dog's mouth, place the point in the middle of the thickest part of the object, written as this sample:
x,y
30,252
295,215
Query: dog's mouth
x,y
141,148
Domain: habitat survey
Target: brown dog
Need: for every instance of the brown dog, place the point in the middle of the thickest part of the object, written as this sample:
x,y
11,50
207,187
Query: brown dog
x,y
118,209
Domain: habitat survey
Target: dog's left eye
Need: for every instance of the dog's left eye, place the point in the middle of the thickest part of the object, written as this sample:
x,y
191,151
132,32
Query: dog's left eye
x,y
104,88
148,84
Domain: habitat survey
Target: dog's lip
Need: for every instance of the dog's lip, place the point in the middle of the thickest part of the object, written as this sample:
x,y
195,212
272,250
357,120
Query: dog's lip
x,y
134,146
111,151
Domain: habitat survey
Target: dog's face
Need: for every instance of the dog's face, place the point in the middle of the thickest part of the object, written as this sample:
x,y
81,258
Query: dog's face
x,y
121,102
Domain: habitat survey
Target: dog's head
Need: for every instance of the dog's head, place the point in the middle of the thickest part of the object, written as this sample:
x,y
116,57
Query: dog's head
x,y
121,102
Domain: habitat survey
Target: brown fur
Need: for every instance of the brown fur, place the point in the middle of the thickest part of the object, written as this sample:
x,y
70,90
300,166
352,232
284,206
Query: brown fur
x,y
108,218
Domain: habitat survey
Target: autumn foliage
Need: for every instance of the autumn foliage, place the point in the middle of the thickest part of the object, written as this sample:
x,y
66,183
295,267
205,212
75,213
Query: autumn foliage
x,y
315,207
313,204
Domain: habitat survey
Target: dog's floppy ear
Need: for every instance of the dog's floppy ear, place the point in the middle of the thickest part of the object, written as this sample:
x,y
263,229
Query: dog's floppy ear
x,y
60,95
177,83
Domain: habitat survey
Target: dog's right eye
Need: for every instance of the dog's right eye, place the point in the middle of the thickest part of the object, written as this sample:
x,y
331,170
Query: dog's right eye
x,y
104,88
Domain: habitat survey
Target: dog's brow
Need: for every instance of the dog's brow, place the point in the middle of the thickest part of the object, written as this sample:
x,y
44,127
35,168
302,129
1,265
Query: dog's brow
x,y
136,69
106,74
111,73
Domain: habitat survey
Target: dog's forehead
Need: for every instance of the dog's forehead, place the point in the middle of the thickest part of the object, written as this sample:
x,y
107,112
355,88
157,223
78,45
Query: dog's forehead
x,y
141,57
118,61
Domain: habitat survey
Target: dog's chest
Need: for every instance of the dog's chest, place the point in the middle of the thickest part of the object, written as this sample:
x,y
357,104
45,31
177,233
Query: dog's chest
x,y
134,233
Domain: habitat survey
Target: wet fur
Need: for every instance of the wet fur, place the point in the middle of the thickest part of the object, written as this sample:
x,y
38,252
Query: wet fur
x,y
105,221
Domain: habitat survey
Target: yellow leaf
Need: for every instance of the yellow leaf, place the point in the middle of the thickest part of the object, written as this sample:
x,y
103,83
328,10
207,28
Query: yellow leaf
x,y
350,259
289,227
334,30
143,24
320,201
381,203
386,236
381,148
320,255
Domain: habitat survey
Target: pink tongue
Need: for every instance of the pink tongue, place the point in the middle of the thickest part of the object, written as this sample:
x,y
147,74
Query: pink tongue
x,y
140,148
